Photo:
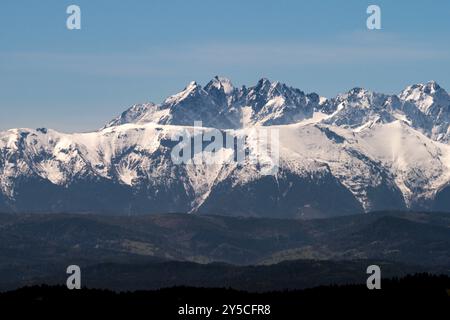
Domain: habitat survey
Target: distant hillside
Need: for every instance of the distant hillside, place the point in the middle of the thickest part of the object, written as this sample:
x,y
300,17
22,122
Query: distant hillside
x,y
416,238
142,251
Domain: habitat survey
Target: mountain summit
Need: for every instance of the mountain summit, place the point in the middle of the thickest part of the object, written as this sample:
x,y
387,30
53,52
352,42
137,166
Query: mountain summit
x,y
220,105
357,152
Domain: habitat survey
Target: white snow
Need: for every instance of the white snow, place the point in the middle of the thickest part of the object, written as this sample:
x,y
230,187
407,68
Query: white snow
x,y
183,94
378,140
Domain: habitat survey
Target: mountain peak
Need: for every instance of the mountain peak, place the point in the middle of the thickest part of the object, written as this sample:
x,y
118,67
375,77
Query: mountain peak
x,y
135,114
432,86
220,83
263,83
191,89
192,85
219,104
358,91
425,94
429,88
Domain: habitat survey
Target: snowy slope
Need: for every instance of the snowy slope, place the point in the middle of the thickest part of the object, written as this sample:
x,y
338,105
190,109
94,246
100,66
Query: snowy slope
x,y
359,151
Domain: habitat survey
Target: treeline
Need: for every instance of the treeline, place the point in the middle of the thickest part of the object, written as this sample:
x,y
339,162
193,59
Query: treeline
x,y
408,295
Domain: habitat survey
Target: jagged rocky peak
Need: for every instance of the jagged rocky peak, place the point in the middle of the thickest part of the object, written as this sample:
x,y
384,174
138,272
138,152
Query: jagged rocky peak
x,y
257,95
416,90
358,91
355,98
220,84
360,97
360,108
221,91
263,84
221,104
275,103
273,88
265,90
432,87
191,90
427,96
138,113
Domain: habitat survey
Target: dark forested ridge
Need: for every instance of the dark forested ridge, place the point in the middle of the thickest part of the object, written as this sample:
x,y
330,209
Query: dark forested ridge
x,y
407,237
256,254
404,297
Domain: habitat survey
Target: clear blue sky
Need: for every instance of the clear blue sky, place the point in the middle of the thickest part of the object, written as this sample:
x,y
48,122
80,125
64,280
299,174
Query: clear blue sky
x,y
135,51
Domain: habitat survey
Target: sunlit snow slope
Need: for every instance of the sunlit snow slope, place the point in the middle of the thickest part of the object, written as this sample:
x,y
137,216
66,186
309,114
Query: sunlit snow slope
x,y
358,152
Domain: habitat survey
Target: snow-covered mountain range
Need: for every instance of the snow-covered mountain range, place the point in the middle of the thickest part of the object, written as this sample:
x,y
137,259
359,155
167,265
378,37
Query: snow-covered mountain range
x,y
357,152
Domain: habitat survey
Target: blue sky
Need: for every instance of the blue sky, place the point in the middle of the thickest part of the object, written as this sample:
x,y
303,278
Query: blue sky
x,y
136,51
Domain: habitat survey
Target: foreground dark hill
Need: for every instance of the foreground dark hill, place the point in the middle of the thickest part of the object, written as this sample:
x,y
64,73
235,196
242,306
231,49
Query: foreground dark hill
x,y
288,275
406,296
